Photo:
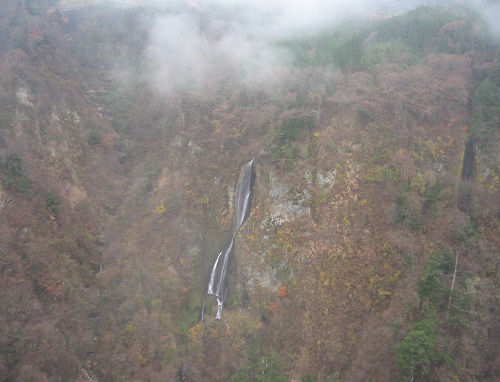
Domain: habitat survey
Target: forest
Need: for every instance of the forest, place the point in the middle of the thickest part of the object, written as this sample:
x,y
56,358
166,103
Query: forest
x,y
371,246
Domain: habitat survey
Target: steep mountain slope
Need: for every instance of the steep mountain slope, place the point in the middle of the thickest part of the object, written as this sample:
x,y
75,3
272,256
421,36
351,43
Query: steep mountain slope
x,y
371,248
52,199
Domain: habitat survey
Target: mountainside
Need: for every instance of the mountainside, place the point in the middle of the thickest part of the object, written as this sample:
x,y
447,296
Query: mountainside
x,y
370,251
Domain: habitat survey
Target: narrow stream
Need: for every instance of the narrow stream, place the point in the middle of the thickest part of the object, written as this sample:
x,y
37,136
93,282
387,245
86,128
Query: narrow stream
x,y
242,200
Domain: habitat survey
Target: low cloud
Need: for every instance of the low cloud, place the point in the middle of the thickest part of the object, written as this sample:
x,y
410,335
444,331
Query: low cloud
x,y
490,12
202,39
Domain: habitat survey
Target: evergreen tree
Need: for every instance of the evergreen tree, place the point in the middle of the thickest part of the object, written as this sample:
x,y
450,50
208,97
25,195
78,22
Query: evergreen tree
x,y
417,352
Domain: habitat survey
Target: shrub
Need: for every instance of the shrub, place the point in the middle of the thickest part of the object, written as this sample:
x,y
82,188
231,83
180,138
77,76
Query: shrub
x,y
53,201
13,174
432,285
289,131
364,116
434,193
333,378
261,369
466,233
486,109
409,211
5,120
94,138
283,146
308,378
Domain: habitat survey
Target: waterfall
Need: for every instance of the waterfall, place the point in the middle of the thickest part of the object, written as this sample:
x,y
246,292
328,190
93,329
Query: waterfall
x,y
242,198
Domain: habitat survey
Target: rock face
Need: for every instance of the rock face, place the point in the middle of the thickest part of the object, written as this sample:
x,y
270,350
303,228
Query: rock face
x,y
375,189
285,206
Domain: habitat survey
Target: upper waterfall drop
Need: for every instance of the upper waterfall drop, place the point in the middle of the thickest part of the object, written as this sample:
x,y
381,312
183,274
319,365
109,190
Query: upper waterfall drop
x,y
242,195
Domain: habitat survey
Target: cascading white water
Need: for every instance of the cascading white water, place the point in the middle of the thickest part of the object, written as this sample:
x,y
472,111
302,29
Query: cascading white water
x,y
221,285
210,289
242,195
242,199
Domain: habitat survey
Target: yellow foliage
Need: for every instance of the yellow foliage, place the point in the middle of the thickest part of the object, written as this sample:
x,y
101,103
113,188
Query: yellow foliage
x,y
156,304
166,321
143,360
395,277
418,183
160,210
195,343
243,323
204,199
196,332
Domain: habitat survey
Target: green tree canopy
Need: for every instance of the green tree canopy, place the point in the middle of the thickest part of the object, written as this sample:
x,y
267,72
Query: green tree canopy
x,y
417,351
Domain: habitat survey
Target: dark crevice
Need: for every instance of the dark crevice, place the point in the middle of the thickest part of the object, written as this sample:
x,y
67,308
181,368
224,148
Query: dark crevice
x,y
467,175
469,163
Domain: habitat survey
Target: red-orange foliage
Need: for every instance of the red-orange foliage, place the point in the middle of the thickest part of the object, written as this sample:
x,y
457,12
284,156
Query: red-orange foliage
x,y
273,307
55,290
282,292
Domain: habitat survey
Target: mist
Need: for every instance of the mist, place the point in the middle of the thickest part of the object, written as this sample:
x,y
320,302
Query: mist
x,y
196,42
